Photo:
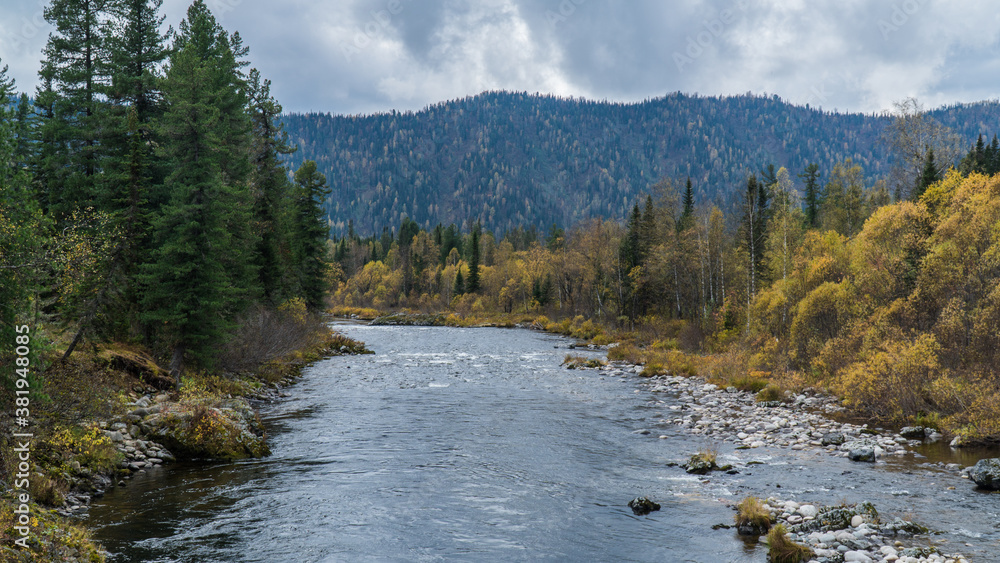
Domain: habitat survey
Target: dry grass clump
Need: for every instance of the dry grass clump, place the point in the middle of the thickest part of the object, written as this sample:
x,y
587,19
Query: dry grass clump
x,y
750,383
752,517
579,362
780,549
770,393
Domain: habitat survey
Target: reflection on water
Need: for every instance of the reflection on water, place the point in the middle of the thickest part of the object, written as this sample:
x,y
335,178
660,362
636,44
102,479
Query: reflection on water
x,y
474,444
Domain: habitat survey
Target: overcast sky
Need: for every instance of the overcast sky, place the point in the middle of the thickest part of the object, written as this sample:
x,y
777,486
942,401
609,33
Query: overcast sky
x,y
363,56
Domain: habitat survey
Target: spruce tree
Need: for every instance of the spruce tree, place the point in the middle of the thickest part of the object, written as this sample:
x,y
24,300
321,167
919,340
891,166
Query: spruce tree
x,y
196,276
472,285
687,214
270,187
929,175
312,232
812,195
76,79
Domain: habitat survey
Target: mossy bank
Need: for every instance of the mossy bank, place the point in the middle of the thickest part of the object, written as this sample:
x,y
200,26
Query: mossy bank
x,y
111,412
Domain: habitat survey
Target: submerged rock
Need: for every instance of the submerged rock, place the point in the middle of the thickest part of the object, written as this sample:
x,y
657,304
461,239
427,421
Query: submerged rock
x,y
700,465
986,473
642,506
862,453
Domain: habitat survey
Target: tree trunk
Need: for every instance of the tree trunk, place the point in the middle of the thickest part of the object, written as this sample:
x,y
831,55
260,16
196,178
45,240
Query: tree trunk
x,y
176,363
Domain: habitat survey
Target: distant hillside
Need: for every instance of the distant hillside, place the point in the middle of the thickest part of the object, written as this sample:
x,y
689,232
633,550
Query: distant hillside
x,y
516,159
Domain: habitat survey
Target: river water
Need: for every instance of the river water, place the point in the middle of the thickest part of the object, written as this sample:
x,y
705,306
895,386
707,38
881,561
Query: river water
x,y
475,445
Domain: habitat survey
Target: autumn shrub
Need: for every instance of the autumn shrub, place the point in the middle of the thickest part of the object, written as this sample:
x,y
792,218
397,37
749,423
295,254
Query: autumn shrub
x,y
653,368
781,549
627,352
363,313
47,491
52,538
575,362
818,318
264,333
895,382
888,250
87,445
725,367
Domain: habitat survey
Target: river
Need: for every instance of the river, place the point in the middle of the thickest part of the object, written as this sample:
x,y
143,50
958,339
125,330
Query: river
x,y
476,445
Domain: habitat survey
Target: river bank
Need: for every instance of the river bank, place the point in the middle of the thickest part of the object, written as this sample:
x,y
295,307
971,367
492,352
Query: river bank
x,y
138,422
799,423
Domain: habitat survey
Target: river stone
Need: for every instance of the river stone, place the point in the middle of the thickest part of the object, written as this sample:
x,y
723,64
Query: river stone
x,y
642,506
833,439
699,466
914,432
808,511
857,557
862,453
986,473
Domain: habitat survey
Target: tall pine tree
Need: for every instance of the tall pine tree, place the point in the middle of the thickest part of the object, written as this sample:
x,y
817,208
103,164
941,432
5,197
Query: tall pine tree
x,y
194,281
812,195
472,284
75,78
312,233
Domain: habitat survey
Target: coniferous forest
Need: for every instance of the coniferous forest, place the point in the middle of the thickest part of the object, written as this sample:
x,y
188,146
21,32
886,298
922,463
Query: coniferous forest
x,y
145,196
512,159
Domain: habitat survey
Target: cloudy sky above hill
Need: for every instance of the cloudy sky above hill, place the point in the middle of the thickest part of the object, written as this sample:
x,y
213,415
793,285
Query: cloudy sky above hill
x,y
363,56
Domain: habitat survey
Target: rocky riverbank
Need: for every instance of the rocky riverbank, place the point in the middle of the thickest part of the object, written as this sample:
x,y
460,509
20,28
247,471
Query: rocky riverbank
x,y
855,534
801,422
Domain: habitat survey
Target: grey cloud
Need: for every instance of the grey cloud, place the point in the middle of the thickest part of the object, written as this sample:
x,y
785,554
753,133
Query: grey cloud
x,y
359,56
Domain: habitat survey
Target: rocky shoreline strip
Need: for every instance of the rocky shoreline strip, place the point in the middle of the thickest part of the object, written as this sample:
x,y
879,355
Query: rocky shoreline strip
x,y
853,534
798,423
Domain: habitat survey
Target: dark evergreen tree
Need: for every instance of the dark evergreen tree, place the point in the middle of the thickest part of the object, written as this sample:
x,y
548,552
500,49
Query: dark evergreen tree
x,y
312,233
929,175
459,287
556,238
992,158
197,273
75,77
686,219
812,198
271,189
473,283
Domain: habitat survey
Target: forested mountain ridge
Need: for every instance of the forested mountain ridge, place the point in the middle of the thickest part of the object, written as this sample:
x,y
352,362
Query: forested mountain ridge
x,y
515,159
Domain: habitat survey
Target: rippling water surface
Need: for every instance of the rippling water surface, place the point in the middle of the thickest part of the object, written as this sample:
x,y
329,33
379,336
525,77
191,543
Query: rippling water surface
x,y
474,444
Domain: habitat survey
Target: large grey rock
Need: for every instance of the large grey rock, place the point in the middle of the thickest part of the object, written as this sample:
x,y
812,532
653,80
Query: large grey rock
x,y
986,473
862,453
914,432
833,439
